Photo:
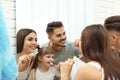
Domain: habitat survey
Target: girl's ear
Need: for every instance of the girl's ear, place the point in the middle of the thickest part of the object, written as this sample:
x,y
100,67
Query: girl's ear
x,y
39,58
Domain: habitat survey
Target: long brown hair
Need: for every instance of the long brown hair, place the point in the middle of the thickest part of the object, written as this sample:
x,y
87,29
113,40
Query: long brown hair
x,y
96,46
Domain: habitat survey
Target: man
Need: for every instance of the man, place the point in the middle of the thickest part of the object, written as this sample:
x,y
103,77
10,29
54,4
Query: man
x,y
63,49
57,37
112,24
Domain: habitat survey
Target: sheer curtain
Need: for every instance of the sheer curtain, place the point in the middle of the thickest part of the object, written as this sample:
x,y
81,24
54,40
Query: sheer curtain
x,y
75,15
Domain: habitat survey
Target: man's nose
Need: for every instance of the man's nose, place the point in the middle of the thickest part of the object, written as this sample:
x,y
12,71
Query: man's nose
x,y
63,36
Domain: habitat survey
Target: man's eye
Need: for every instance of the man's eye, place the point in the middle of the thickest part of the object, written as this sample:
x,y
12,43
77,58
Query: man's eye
x,y
58,35
64,33
36,39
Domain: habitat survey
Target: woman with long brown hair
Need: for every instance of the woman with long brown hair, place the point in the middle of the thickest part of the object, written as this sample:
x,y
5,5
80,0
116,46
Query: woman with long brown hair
x,y
26,44
103,64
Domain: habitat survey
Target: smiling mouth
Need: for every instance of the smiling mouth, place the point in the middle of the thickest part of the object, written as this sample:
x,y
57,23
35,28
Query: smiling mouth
x,y
62,41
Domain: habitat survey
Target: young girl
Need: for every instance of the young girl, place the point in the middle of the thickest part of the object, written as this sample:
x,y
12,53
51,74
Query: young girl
x,y
43,68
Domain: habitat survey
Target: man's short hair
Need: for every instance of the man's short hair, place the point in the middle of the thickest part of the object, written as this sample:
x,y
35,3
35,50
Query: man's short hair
x,y
53,25
112,23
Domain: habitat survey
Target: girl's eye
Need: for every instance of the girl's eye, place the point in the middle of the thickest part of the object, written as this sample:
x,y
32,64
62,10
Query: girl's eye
x,y
53,57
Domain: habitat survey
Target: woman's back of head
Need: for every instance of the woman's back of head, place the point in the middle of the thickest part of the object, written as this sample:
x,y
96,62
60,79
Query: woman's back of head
x,y
94,41
96,46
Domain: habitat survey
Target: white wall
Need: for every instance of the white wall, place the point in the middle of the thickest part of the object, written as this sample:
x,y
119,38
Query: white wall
x,y
107,8
75,15
104,9
9,13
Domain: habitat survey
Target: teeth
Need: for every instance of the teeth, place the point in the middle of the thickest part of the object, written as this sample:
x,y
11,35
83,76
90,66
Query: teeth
x,y
63,41
33,47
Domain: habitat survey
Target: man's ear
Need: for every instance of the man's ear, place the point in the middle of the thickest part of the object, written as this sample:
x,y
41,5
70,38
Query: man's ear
x,y
114,37
49,37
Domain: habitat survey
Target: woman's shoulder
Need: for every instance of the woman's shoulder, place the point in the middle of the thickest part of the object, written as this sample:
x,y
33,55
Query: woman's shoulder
x,y
88,72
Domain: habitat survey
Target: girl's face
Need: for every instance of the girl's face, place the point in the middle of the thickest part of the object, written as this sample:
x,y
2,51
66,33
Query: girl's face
x,y
30,43
46,60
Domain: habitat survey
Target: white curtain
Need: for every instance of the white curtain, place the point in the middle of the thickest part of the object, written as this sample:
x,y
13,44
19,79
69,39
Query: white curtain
x,y
75,15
